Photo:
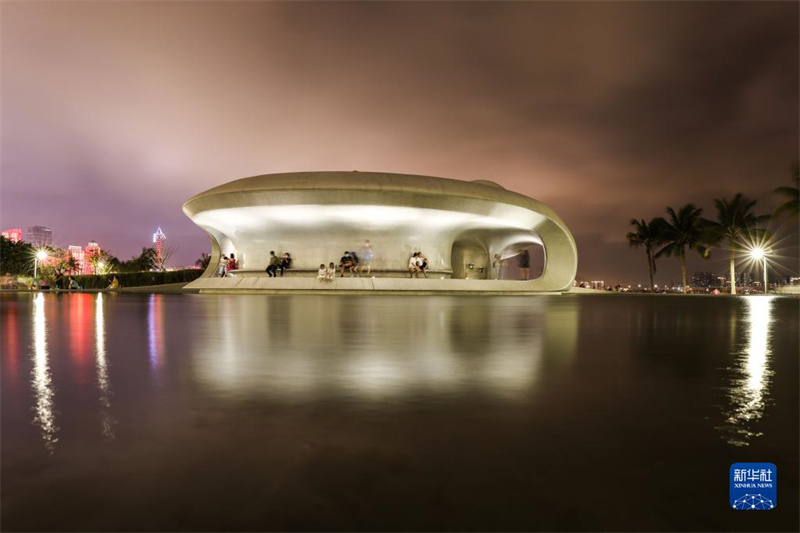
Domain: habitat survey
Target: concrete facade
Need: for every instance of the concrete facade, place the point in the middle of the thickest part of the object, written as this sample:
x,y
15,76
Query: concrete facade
x,y
316,216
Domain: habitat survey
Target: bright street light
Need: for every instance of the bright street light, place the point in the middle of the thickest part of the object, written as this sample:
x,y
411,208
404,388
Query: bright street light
x,y
760,253
41,255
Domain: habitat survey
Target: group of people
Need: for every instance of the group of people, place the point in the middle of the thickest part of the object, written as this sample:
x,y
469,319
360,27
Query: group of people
x,y
355,265
278,263
349,262
66,282
416,264
226,264
326,274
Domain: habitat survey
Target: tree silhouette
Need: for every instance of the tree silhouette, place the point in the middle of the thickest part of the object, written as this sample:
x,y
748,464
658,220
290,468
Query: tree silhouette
x,y
682,230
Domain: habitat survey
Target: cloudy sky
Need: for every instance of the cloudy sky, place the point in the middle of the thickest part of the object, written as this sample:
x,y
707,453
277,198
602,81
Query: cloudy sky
x,y
114,114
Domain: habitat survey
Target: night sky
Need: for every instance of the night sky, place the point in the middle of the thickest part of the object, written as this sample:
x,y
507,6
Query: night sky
x,y
114,114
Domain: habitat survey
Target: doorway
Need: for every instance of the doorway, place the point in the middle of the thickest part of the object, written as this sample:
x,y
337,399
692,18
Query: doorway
x,y
469,260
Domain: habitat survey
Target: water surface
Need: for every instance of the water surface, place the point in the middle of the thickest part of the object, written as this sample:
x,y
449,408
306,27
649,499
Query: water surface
x,y
200,412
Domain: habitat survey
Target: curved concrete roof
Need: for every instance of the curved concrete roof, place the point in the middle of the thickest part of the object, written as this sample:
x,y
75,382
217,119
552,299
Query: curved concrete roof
x,y
370,181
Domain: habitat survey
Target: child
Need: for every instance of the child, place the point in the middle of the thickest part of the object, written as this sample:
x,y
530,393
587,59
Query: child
x,y
331,272
322,274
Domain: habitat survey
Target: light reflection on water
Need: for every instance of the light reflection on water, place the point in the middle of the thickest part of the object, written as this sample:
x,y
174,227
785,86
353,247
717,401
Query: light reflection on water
x,y
748,392
298,349
482,404
42,380
398,350
155,332
103,381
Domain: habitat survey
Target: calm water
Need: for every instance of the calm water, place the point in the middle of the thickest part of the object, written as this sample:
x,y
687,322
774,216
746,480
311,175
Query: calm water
x,y
195,412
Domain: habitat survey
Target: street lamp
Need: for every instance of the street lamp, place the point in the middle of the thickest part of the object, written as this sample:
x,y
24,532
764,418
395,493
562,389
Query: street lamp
x,y
41,255
760,253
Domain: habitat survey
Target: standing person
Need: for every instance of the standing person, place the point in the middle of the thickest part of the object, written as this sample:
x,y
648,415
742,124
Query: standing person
x,y
286,262
413,266
498,263
524,262
346,263
422,263
366,257
273,264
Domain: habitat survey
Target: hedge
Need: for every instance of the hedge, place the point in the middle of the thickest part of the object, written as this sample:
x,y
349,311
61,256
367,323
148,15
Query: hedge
x,y
139,279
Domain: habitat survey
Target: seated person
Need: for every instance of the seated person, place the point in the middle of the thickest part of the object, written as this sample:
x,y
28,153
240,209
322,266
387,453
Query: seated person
x,y
322,273
347,263
413,266
114,283
330,273
422,263
286,262
274,262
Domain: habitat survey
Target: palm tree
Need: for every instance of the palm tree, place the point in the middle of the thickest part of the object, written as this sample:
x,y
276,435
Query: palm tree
x,y
735,221
683,229
649,236
792,206
204,260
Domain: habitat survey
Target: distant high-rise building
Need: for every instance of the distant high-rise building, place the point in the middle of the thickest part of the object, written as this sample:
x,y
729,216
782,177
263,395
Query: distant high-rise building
x,y
12,234
40,236
77,253
91,251
703,279
743,279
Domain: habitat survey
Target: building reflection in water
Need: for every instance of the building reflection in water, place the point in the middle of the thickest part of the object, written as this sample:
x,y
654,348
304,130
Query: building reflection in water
x,y
155,332
103,382
375,348
10,343
79,315
748,391
41,378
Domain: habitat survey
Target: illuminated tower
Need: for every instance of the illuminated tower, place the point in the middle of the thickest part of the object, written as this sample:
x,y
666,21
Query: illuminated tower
x,y
158,238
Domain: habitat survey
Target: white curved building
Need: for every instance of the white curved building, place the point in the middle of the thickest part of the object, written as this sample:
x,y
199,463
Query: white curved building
x,y
316,216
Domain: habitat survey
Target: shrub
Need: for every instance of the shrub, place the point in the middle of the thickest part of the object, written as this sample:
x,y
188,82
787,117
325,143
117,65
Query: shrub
x,y
138,279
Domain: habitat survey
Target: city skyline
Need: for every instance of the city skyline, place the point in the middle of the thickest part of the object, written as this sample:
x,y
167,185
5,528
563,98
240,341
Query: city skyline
x,y
607,112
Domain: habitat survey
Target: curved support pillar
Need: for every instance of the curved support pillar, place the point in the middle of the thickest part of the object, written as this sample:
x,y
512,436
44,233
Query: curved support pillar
x,y
560,252
213,263
560,257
